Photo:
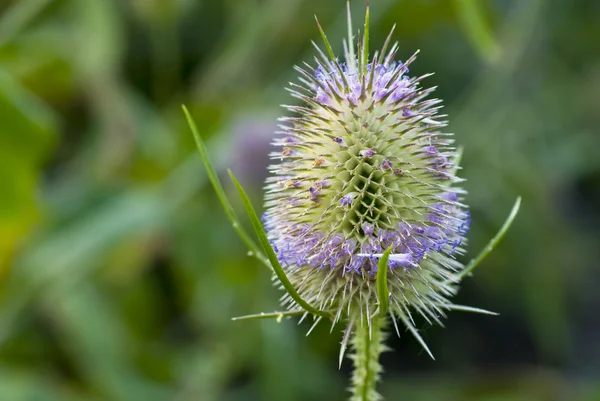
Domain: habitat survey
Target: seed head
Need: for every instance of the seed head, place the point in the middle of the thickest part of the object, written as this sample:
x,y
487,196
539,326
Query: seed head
x,y
362,166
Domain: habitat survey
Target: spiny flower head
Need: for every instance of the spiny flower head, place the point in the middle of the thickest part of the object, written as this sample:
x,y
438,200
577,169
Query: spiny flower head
x,y
363,166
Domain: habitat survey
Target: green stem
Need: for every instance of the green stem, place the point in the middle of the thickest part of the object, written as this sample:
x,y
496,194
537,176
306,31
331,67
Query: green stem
x,y
368,345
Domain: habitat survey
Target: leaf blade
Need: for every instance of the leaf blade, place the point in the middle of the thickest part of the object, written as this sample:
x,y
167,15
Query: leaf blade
x,y
478,30
365,48
218,188
351,56
325,40
382,287
492,244
258,228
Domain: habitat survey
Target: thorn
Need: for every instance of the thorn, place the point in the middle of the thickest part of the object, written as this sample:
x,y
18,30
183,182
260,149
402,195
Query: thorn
x,y
344,343
313,326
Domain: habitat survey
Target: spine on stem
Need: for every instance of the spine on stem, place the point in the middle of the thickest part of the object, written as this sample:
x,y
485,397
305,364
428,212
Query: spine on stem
x,y
367,344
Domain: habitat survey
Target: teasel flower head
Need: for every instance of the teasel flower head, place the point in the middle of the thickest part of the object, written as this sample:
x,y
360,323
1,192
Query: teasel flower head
x,y
363,165
365,213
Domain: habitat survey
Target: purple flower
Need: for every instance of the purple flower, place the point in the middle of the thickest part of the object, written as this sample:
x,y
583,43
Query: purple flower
x,y
368,228
367,152
386,164
346,200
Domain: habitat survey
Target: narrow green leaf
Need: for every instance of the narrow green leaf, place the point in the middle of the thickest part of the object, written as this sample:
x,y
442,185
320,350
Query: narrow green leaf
x,y
276,315
457,159
491,245
325,40
365,47
382,285
216,183
17,16
333,62
477,29
382,55
458,156
260,232
352,58
359,51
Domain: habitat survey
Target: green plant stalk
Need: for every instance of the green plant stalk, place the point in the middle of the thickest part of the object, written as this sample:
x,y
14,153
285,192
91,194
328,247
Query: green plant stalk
x,y
367,342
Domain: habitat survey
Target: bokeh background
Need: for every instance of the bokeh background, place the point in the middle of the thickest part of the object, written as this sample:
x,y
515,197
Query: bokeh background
x,y
119,272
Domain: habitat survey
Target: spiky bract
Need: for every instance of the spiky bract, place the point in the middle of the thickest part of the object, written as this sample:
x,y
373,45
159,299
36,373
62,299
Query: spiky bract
x,y
363,166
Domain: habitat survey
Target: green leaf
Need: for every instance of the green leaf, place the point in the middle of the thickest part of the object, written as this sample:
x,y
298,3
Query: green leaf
x,y
216,183
325,40
365,47
17,16
382,287
260,232
491,245
351,57
28,133
457,159
477,29
382,55
21,384
29,127
333,62
86,342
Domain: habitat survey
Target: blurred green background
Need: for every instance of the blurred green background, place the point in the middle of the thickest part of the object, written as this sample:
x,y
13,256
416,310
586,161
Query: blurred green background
x,y
119,272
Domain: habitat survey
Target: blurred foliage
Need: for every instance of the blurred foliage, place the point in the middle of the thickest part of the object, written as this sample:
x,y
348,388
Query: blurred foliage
x,y
119,273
